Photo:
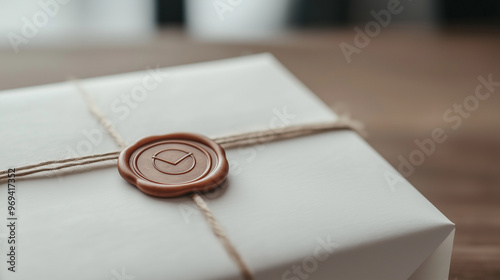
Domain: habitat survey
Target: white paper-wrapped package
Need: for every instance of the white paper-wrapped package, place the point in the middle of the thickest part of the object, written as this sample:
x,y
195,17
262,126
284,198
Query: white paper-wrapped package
x,y
323,206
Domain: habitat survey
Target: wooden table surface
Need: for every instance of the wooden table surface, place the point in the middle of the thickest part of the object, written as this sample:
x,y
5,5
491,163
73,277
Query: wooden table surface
x,y
400,85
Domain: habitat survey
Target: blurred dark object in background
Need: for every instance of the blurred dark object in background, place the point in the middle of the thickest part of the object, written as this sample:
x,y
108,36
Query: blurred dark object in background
x,y
344,12
170,12
479,12
321,13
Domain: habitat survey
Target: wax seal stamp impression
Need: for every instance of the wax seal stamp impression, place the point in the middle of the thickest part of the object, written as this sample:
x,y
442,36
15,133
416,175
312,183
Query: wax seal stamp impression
x,y
174,164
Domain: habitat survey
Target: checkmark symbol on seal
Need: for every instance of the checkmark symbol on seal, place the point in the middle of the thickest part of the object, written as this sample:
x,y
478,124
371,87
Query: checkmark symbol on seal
x,y
170,162
173,163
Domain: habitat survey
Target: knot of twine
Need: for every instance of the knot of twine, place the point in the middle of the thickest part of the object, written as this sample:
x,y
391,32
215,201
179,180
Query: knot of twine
x,y
230,141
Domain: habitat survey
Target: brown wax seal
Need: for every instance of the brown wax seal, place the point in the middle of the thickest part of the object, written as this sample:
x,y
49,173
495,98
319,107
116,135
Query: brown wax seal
x,y
174,164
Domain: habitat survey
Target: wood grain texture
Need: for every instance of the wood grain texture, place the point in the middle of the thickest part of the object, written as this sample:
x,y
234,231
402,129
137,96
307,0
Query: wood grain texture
x,y
400,86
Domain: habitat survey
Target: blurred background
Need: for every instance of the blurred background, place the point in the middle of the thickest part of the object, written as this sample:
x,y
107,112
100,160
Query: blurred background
x,y
397,66
65,22
62,35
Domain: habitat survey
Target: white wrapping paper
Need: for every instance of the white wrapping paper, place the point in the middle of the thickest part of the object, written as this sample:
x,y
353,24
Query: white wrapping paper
x,y
324,206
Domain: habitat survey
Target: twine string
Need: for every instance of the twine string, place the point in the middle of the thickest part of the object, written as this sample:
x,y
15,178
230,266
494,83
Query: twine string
x,y
293,131
221,235
94,109
230,141
73,161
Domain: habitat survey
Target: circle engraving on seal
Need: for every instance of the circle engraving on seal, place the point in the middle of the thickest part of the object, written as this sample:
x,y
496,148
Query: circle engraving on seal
x,y
174,164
